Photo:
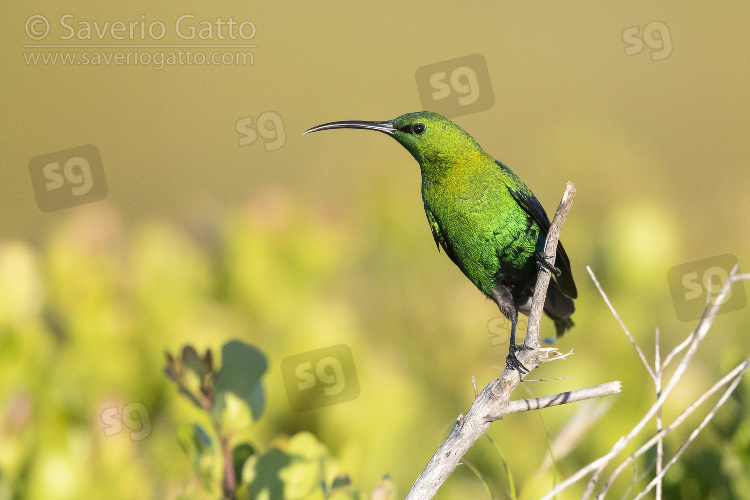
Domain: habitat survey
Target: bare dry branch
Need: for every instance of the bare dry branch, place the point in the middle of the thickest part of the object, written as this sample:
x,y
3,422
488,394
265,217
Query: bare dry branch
x,y
695,432
735,375
533,338
564,397
693,341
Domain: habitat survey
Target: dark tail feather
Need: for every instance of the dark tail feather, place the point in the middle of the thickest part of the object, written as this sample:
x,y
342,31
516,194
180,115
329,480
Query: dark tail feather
x,y
565,280
559,307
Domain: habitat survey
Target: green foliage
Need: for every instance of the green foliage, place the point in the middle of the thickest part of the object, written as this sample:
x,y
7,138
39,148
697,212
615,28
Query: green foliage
x,y
198,446
87,314
241,370
294,468
82,323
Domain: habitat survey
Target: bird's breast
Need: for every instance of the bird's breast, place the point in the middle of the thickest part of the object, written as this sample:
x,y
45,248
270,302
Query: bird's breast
x,y
484,227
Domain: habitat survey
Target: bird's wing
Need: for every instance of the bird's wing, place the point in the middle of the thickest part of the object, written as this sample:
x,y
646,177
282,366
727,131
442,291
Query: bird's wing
x,y
439,240
531,205
434,228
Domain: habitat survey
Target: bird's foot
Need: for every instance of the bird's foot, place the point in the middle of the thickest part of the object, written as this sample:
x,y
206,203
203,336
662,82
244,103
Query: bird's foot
x,y
512,361
542,262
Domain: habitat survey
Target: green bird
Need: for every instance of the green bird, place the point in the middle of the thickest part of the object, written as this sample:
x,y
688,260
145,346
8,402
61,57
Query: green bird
x,y
484,217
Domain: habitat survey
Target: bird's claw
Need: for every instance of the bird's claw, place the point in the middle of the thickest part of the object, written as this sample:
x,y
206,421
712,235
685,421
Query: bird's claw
x,y
542,262
512,361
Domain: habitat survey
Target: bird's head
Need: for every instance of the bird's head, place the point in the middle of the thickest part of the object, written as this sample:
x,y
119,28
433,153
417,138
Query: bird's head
x,y
435,142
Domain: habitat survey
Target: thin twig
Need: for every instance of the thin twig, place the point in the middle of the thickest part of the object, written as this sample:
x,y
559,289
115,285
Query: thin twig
x,y
229,484
680,347
543,379
660,442
622,325
690,337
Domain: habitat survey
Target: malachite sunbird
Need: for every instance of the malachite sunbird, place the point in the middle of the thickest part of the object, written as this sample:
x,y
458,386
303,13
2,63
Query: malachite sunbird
x,y
488,222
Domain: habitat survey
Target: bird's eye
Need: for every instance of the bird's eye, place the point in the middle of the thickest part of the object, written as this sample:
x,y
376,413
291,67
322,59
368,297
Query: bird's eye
x,y
418,128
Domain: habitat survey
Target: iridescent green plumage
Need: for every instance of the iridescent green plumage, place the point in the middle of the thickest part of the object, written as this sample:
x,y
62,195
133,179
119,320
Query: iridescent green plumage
x,y
488,222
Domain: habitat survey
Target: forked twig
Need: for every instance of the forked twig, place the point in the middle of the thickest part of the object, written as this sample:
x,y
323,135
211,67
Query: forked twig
x,y
692,342
735,376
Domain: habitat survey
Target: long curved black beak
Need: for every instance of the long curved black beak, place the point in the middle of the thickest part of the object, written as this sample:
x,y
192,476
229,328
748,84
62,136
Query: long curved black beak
x,y
385,127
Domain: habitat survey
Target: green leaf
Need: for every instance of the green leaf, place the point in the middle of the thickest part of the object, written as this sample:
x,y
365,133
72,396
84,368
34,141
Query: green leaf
x,y
242,368
199,448
194,439
257,401
240,454
341,481
192,374
268,475
191,359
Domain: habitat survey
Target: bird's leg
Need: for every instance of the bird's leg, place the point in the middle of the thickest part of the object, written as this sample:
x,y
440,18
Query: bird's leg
x,y
504,300
512,361
542,262
513,324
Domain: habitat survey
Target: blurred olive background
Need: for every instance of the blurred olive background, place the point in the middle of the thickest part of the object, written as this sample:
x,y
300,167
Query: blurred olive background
x,y
307,242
